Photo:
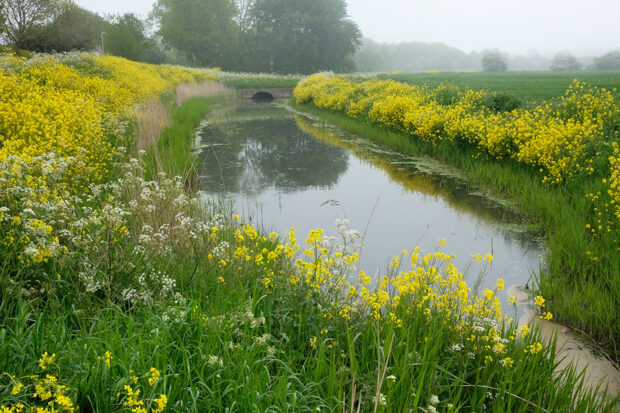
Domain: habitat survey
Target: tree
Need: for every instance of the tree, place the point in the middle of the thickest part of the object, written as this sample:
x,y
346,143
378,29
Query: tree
x,y
125,37
494,61
609,61
202,29
286,36
373,57
72,28
23,18
304,36
564,61
2,19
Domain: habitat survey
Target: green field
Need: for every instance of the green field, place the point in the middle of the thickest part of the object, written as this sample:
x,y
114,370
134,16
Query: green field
x,y
526,85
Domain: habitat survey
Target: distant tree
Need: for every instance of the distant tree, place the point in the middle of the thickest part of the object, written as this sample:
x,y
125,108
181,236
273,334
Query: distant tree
x,y
155,53
202,29
125,37
412,57
609,61
24,18
286,36
302,36
244,16
370,58
71,28
564,61
494,61
532,60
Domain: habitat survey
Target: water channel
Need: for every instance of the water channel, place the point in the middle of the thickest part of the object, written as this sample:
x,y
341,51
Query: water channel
x,y
284,169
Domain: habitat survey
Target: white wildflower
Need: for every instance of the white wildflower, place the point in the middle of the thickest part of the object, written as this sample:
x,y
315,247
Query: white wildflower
x,y
382,400
215,361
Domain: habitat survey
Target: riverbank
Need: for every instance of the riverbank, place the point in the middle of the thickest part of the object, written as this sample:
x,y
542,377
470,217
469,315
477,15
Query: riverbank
x,y
572,349
582,283
137,295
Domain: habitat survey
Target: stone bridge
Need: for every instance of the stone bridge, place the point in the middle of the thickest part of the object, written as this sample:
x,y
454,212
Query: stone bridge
x,y
267,94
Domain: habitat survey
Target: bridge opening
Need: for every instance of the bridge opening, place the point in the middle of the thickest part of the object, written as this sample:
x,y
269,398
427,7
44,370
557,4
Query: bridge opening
x,y
263,97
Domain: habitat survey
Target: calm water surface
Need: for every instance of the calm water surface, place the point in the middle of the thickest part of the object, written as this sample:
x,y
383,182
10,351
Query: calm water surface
x,y
285,170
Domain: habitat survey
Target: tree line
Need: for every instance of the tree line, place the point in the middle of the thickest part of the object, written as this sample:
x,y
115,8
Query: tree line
x,y
420,56
60,26
283,36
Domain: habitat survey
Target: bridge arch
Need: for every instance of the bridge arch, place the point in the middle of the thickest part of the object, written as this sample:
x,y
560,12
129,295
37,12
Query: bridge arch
x,y
263,96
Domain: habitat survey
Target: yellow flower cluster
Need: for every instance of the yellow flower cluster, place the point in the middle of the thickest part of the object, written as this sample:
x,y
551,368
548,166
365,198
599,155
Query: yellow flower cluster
x,y
614,184
46,360
561,139
614,180
606,204
40,394
323,269
247,248
62,119
75,105
426,284
47,395
107,358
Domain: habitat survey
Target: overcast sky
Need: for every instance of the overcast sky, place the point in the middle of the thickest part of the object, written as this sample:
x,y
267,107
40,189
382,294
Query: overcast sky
x,y
516,26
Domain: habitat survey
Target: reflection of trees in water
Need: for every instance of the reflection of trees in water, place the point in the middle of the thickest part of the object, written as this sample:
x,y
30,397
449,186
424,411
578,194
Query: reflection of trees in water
x,y
402,170
251,156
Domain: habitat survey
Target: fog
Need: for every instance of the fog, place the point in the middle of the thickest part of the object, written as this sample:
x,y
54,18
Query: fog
x,y
516,27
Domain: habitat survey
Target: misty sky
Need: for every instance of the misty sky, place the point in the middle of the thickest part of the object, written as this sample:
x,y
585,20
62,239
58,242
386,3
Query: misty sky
x,y
516,26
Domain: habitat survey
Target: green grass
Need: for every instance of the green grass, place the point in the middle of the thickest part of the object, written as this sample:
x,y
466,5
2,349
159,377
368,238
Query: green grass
x,y
236,362
582,293
525,85
257,80
228,340
172,153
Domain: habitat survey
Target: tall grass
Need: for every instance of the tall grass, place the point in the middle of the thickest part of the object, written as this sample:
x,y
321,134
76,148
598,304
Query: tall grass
x,y
189,90
172,153
154,116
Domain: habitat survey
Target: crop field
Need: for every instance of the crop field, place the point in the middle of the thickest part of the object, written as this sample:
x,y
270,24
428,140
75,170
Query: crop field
x,y
525,85
122,289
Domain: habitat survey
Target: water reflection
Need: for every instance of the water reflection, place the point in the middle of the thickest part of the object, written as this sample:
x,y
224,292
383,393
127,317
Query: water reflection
x,y
248,156
280,169
425,176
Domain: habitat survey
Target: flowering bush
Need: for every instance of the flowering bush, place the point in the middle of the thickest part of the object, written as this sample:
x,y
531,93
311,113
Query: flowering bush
x,y
572,137
63,122
562,139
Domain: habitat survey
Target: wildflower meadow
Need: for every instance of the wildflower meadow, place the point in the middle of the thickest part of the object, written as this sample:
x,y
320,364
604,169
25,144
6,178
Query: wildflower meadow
x,y
123,289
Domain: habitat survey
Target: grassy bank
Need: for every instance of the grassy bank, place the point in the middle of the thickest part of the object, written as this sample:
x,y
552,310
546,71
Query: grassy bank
x,y
172,153
256,80
582,283
140,296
